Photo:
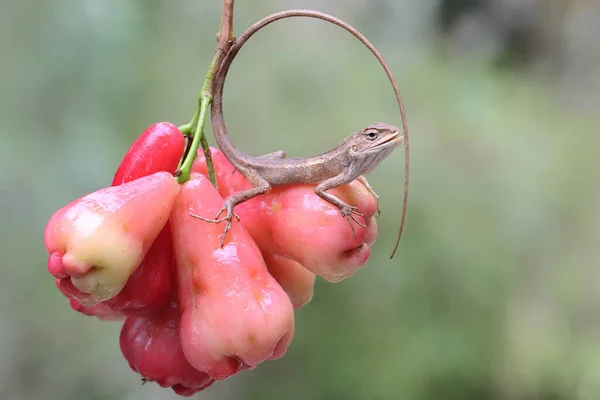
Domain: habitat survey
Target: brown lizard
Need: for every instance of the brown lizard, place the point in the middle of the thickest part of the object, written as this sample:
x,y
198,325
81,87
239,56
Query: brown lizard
x,y
356,155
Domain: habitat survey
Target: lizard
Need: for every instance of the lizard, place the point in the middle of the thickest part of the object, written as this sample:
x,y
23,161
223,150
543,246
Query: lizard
x,y
355,156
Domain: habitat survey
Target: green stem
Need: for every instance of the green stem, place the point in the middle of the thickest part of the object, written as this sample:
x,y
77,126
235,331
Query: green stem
x,y
197,139
209,162
197,126
189,127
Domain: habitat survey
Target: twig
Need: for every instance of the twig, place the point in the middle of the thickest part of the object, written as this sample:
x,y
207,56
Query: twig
x,y
196,125
225,40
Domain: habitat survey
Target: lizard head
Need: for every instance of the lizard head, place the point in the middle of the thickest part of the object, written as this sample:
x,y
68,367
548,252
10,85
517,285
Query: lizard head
x,y
369,146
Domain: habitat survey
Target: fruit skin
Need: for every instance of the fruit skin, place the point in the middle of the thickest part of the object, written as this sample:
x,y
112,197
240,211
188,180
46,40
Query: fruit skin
x,y
295,223
159,148
297,281
101,238
100,310
148,289
151,346
151,285
234,314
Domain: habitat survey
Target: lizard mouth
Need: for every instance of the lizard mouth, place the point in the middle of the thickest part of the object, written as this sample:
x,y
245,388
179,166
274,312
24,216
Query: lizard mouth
x,y
396,139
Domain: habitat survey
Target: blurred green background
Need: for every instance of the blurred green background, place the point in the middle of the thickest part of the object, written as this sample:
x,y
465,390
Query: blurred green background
x,y
494,292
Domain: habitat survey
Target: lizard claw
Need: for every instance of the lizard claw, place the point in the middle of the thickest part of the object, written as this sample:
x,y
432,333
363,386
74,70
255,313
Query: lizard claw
x,y
378,212
228,218
349,213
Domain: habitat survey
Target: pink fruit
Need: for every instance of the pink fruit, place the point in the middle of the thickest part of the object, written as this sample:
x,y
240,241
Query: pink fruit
x,y
149,288
100,310
297,281
152,284
101,238
234,314
295,223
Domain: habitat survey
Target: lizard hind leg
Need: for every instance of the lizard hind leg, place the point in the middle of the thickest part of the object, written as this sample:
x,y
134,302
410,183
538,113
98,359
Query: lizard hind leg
x,y
261,186
228,207
349,212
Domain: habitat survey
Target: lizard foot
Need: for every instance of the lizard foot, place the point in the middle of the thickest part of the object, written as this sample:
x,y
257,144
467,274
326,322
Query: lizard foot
x,y
349,213
217,220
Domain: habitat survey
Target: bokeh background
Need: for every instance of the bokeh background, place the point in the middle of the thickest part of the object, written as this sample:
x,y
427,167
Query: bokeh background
x,y
494,293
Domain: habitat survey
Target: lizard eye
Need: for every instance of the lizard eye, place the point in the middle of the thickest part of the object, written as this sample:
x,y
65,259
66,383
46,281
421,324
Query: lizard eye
x,y
371,135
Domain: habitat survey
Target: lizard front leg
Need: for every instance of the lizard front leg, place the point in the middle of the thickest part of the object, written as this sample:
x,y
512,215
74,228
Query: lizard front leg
x,y
261,186
346,210
366,184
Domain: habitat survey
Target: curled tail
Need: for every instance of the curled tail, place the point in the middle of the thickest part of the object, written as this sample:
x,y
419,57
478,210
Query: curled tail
x,y
218,122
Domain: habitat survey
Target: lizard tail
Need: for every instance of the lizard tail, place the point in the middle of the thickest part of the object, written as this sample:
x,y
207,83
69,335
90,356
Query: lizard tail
x,y
218,122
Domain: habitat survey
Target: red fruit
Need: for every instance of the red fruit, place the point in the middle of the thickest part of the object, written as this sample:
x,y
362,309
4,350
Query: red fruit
x,y
159,148
234,314
152,347
101,238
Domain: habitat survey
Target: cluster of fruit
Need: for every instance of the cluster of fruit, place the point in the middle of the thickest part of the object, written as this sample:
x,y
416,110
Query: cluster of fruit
x,y
195,312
